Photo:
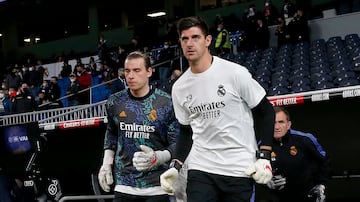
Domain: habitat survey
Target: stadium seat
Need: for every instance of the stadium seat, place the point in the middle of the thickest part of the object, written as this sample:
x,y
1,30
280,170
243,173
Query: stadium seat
x,y
277,90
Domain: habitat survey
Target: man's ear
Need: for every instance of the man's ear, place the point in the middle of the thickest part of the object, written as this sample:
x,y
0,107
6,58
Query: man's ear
x,y
208,39
149,72
289,125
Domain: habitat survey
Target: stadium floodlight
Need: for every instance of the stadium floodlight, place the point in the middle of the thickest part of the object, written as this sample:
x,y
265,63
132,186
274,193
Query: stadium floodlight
x,y
156,14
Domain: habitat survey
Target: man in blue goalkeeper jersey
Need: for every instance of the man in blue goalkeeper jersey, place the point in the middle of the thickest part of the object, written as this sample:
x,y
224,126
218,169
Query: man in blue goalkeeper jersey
x,y
140,136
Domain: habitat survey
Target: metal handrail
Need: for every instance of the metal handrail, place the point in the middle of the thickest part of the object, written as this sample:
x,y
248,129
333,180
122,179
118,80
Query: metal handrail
x,y
57,115
86,197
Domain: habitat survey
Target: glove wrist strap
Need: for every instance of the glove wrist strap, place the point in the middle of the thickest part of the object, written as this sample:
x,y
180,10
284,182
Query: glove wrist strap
x,y
175,163
263,154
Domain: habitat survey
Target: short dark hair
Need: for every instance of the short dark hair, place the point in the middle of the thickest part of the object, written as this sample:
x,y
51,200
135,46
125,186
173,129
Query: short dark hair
x,y
139,54
282,109
194,21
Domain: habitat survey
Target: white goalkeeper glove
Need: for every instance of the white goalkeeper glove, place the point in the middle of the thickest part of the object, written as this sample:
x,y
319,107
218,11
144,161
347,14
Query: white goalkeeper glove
x,y
277,182
260,171
167,180
318,191
105,176
148,158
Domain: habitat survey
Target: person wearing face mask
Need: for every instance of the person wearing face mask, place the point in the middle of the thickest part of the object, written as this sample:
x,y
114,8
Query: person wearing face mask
x,y
120,83
72,91
222,43
5,103
166,55
84,79
23,101
13,80
33,79
270,13
54,93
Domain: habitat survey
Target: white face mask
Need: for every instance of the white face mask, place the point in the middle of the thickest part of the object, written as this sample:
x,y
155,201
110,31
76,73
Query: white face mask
x,y
267,4
31,69
218,29
2,95
72,80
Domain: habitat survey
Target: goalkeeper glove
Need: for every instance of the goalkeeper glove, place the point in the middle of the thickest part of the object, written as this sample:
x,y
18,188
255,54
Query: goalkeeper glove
x,y
148,158
261,170
168,178
277,182
318,191
105,174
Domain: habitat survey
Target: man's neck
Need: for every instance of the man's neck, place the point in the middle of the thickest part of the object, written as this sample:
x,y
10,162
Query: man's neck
x,y
201,65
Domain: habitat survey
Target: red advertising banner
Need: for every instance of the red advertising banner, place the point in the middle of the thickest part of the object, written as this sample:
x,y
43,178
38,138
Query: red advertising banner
x,y
79,123
287,101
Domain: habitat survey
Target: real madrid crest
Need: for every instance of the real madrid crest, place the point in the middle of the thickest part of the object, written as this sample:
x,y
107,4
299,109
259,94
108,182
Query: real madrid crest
x,y
293,150
221,91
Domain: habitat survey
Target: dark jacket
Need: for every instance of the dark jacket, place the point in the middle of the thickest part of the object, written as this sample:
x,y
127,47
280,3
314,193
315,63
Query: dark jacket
x,y
302,161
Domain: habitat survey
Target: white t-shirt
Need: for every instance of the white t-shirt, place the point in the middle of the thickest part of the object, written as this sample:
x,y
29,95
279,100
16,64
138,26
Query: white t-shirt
x,y
217,104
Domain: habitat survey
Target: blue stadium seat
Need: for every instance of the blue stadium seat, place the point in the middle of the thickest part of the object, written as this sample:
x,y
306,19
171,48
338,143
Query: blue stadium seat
x,y
350,82
278,91
300,88
323,85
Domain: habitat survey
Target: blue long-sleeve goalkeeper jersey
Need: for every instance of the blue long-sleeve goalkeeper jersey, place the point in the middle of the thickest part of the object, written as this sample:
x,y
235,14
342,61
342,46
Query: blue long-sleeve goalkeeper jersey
x,y
133,121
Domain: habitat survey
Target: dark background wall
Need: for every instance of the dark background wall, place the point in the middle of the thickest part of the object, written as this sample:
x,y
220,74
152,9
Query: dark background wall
x,y
84,21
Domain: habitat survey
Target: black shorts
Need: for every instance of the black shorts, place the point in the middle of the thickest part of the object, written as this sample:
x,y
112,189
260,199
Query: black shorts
x,y
206,187
122,197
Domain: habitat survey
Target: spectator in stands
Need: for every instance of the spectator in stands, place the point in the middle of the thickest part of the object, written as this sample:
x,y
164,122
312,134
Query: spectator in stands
x,y
78,62
41,101
250,25
287,10
12,92
300,165
109,72
262,35
120,83
34,79
270,13
23,101
13,79
54,93
72,91
66,69
217,134
92,65
120,57
304,6
140,136
44,87
171,32
298,28
222,43
167,85
134,45
84,79
43,71
166,55
281,32
103,50
5,102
